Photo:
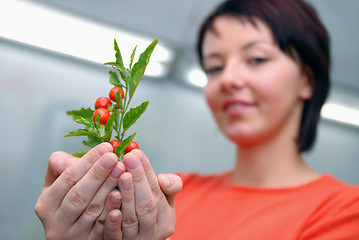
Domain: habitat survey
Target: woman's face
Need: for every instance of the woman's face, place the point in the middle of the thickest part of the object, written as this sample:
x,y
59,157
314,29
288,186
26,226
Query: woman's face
x,y
255,90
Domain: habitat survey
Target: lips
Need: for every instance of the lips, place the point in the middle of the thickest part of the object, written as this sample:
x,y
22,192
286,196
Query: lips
x,y
236,107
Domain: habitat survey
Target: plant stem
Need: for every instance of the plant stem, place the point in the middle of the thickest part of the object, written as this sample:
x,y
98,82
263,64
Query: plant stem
x,y
125,103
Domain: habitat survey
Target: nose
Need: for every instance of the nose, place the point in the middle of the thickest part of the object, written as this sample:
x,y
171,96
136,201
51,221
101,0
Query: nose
x,y
232,77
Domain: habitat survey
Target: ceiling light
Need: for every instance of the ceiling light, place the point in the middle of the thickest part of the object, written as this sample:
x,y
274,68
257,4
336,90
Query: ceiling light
x,y
341,114
51,29
197,77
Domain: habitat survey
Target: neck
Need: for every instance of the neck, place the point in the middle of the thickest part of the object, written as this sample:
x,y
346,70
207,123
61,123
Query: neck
x,y
274,164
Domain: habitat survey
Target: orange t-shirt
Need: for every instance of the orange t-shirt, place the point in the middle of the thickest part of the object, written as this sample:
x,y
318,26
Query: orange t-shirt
x,y
211,207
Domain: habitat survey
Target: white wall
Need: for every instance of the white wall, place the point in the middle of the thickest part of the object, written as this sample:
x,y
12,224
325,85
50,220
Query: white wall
x,y
177,131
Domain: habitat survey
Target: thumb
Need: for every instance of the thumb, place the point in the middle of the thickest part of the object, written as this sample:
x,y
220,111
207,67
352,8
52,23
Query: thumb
x,y
57,163
170,184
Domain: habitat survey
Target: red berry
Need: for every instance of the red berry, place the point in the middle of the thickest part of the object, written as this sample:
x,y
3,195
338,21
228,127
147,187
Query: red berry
x,y
131,146
104,115
115,143
113,92
102,102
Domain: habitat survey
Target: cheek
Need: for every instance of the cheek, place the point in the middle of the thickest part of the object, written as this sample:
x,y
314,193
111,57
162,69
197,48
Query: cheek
x,y
211,95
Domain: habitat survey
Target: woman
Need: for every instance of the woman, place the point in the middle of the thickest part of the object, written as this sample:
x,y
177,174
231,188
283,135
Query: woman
x,y
267,63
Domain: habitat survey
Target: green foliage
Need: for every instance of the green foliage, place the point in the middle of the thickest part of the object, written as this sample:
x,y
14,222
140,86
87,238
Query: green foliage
x,y
120,149
85,113
121,118
139,68
114,79
133,115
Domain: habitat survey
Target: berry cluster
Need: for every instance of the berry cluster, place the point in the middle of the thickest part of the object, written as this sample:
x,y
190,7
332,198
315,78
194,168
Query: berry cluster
x,y
103,106
112,117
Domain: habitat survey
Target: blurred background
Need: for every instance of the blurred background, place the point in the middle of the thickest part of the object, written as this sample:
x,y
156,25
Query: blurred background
x,y
51,55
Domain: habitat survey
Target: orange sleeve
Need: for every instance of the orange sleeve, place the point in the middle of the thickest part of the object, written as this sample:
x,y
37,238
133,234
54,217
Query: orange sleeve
x,y
338,219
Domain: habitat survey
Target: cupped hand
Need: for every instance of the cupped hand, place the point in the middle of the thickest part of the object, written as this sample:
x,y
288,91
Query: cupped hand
x,y
147,210
78,198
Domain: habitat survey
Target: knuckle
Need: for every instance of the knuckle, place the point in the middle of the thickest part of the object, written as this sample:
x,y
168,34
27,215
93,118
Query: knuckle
x,y
130,222
109,184
39,209
86,165
54,156
97,174
139,177
76,199
149,207
168,230
94,210
156,189
70,177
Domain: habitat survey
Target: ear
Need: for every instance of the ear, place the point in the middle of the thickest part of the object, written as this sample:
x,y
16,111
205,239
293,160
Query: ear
x,y
307,84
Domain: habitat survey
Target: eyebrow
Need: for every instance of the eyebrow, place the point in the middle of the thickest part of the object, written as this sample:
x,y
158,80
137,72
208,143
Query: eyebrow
x,y
245,47
253,43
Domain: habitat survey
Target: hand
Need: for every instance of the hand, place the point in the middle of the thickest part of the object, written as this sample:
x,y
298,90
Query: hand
x,y
78,194
147,210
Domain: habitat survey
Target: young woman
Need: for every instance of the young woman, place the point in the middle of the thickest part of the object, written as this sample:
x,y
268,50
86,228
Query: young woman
x,y
267,63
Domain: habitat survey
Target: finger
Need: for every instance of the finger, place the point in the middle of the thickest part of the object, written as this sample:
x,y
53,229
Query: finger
x,y
80,196
113,201
58,190
94,214
150,174
112,230
57,163
171,184
145,201
129,218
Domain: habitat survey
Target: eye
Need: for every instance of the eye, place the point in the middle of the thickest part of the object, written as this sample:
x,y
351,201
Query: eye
x,y
213,70
257,61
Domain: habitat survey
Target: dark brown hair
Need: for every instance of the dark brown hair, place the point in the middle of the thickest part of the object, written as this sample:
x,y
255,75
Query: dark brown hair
x,y
298,32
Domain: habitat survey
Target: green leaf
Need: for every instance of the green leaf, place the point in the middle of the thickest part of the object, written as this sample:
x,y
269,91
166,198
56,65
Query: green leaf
x,y
119,62
87,122
110,63
120,149
86,113
92,141
108,129
116,113
79,155
132,57
118,99
114,79
97,123
139,68
133,115
83,132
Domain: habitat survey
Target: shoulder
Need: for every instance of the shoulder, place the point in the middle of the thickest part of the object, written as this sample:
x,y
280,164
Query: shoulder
x,y
336,194
337,215
339,189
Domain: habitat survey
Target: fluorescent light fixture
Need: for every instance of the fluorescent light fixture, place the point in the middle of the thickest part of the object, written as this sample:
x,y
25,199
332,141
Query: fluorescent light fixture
x,y
61,32
197,77
341,114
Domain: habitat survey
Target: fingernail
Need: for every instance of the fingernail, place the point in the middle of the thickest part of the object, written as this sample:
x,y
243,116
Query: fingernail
x,y
132,163
116,172
167,181
116,198
107,163
126,184
114,216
